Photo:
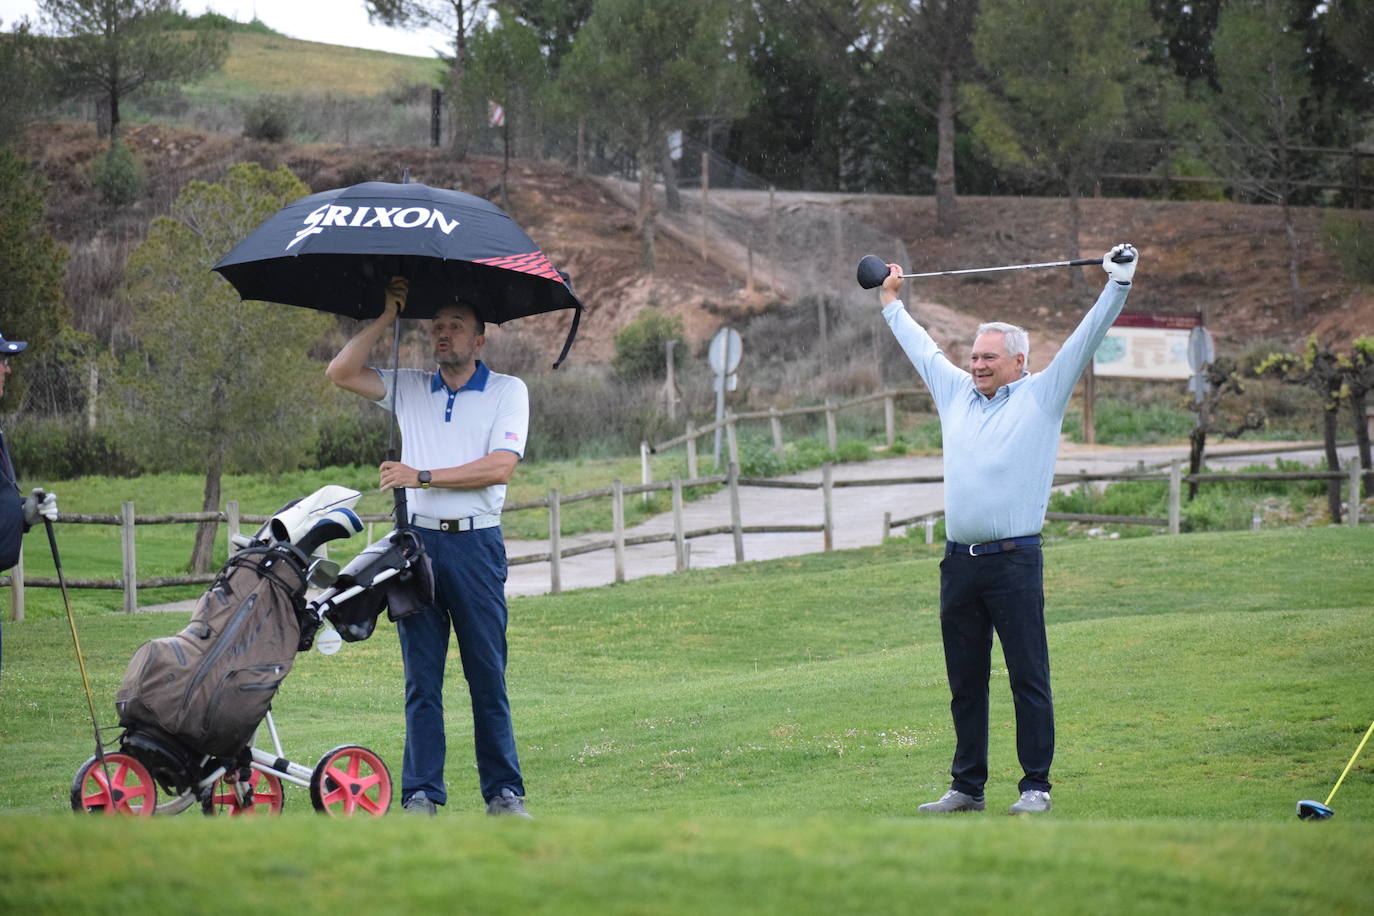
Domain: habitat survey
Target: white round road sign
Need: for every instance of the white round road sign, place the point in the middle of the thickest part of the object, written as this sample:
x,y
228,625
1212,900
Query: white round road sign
x,y
725,350
1201,350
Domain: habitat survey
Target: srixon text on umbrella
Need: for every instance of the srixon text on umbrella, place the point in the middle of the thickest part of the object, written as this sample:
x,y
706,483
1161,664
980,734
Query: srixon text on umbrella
x,y
373,218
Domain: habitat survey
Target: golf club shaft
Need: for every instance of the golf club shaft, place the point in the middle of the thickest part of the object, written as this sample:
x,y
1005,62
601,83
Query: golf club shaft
x,y
76,642
1353,758
1080,262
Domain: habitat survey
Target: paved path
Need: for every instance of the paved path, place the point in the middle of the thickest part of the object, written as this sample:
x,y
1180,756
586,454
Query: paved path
x,y
857,511
857,514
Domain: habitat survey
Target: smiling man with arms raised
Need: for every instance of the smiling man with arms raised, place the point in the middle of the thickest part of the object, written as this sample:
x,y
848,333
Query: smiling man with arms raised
x,y
1000,426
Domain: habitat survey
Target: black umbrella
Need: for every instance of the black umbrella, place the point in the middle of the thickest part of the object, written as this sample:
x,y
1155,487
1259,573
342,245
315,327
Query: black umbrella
x,y
335,251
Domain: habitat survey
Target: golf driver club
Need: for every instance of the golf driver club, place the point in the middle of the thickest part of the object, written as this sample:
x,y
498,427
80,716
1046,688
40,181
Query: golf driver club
x,y
1310,810
873,270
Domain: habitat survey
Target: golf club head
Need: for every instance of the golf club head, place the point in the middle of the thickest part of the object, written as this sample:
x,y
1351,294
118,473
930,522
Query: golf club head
x,y
872,271
1310,810
293,520
337,523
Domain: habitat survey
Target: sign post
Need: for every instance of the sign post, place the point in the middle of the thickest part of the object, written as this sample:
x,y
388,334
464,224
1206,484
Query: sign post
x,y
724,355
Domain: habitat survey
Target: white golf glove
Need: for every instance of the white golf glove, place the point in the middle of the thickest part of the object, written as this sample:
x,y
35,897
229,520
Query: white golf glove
x,y
1121,272
40,505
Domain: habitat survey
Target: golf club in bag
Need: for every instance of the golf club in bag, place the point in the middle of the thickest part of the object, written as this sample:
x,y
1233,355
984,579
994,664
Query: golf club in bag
x,y
190,703
1310,810
872,270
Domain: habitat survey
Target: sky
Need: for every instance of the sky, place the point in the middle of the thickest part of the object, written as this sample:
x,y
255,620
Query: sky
x,y
336,22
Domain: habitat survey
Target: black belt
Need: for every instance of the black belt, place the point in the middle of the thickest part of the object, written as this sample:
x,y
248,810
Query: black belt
x,y
1002,546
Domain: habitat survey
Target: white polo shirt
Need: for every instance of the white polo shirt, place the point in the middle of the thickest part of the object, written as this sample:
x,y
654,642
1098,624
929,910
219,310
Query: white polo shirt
x,y
443,428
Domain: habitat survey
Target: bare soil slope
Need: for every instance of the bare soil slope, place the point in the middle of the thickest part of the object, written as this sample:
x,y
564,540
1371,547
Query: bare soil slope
x,y
1228,260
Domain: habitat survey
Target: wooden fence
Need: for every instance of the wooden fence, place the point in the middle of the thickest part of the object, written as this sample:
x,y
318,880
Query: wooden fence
x,y
680,536
730,423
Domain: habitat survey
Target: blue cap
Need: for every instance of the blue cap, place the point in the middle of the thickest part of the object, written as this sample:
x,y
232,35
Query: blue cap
x,y
11,346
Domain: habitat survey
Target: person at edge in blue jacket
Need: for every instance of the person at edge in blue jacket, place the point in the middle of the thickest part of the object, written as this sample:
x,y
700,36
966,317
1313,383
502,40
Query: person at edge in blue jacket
x,y
17,513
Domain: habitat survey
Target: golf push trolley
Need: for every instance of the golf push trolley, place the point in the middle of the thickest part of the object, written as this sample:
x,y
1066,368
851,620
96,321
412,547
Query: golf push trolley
x,y
193,706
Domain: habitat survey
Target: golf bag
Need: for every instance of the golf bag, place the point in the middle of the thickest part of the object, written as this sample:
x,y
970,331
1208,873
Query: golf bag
x,y
199,695
394,572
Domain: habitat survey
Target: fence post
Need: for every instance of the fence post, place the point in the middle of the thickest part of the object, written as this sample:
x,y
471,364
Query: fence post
x,y
231,515
775,422
890,419
618,527
679,535
555,543
930,529
126,531
691,450
731,438
735,524
1175,485
1353,468
17,587
887,526
646,474
826,490
830,437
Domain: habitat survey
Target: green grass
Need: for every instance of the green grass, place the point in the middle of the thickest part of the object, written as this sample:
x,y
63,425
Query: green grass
x,y
755,739
273,64
93,551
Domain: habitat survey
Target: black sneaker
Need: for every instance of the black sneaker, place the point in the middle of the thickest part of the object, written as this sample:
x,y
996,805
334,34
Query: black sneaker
x,y
508,803
419,803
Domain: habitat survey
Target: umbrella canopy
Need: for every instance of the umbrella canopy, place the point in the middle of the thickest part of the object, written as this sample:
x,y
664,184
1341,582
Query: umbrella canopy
x,y
335,251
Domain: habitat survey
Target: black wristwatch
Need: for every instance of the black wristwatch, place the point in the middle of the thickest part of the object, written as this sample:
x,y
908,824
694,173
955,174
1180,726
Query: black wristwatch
x,y
424,477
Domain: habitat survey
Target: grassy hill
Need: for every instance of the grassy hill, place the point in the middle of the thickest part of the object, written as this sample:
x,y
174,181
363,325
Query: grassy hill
x,y
756,739
275,64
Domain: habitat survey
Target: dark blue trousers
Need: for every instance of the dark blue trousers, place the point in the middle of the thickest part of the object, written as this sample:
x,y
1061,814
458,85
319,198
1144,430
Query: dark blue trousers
x,y
470,598
1002,592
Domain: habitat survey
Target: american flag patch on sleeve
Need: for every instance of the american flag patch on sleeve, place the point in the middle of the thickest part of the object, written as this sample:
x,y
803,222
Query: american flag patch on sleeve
x,y
513,436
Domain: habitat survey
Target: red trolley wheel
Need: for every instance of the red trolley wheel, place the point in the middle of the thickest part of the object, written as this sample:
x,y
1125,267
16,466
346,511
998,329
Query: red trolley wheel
x,y
268,797
121,786
348,780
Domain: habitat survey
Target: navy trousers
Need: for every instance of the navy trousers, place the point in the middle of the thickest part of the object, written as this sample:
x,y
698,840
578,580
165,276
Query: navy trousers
x,y
1002,592
470,599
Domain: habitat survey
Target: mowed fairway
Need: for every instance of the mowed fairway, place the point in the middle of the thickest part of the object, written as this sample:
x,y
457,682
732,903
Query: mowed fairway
x,y
756,739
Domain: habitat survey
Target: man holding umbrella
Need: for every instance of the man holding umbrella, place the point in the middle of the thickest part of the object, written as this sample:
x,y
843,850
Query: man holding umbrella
x,y
17,513
463,431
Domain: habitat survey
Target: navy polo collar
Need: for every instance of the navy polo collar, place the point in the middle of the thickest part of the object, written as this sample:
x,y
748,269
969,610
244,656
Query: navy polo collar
x,y
478,381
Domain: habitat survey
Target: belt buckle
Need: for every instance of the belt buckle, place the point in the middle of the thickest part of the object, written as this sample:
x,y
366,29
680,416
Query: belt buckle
x,y
970,550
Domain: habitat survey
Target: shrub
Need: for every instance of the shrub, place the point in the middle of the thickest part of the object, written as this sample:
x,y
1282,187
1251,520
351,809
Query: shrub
x,y
60,448
639,346
268,119
118,175
1351,239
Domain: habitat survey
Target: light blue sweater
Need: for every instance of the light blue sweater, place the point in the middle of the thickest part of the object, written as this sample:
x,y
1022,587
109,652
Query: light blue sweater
x,y
999,452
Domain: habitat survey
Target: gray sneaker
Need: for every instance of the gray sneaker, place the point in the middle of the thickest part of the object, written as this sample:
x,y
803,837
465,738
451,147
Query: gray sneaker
x,y
953,801
1032,801
508,803
419,803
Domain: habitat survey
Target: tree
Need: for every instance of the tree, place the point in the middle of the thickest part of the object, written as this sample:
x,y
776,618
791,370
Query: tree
x,y
942,30
1352,30
32,268
1261,113
1333,377
216,386
20,66
110,48
641,68
1059,74
508,68
452,17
